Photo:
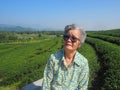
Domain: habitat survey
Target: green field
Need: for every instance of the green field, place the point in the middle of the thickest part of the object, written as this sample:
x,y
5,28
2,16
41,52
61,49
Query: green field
x,y
22,61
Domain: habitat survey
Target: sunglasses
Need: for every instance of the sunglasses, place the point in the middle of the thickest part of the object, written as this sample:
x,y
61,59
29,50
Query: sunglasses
x,y
72,38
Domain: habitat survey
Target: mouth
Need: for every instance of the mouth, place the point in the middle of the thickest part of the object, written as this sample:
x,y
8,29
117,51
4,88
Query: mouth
x,y
68,44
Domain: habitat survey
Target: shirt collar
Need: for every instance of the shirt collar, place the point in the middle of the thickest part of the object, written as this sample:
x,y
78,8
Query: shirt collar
x,y
76,60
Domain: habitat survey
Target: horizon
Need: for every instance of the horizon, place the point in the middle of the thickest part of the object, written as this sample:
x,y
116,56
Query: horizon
x,y
52,14
14,28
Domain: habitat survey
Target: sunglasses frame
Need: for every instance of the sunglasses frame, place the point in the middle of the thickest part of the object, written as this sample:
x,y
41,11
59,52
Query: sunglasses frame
x,y
72,38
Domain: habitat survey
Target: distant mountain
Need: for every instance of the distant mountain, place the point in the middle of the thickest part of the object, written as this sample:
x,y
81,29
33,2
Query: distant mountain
x,y
4,27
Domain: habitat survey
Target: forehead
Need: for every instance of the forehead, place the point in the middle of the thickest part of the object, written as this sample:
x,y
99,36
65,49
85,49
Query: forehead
x,y
74,32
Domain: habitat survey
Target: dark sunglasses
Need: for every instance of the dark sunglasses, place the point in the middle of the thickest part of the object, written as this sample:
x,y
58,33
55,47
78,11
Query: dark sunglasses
x,y
72,38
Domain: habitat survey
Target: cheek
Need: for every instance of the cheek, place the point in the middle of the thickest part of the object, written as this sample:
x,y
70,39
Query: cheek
x,y
78,45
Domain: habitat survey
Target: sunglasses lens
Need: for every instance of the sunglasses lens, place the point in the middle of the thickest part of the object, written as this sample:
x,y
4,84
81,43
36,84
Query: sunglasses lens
x,y
65,37
72,38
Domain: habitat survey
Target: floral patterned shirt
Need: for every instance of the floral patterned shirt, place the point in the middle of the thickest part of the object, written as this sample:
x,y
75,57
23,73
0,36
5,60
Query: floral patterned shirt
x,y
58,77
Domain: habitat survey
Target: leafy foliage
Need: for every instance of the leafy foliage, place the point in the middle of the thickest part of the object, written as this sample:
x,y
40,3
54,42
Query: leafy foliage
x,y
110,62
114,32
23,56
111,39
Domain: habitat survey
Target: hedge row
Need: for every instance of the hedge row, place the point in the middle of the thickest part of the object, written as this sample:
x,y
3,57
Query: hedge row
x,y
111,39
25,60
115,32
110,62
89,52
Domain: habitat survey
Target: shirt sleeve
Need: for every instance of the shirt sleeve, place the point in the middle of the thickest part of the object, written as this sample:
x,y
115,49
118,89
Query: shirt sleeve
x,y
48,75
84,77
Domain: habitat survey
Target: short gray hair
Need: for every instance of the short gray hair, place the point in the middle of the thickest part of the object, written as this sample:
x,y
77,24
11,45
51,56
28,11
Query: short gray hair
x,y
75,27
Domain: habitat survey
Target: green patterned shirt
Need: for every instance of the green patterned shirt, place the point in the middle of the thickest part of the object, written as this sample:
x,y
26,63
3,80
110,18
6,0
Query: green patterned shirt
x,y
58,77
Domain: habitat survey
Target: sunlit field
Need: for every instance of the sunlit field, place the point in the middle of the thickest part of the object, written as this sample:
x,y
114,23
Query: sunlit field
x,y
23,57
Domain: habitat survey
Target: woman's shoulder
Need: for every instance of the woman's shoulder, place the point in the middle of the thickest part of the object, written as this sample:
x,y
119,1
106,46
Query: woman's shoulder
x,y
57,55
80,56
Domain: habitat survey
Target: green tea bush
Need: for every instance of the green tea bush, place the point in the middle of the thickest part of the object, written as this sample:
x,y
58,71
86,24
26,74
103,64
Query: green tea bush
x,y
110,62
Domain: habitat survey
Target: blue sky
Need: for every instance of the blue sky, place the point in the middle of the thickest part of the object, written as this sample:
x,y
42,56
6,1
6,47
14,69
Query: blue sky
x,y
55,14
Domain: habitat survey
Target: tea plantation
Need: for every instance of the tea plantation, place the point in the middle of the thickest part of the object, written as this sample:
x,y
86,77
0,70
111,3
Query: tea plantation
x,y
23,62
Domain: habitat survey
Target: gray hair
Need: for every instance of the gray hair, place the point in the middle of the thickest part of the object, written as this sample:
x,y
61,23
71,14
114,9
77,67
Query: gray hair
x,y
75,27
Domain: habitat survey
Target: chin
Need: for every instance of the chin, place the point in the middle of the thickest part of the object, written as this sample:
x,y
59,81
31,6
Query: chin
x,y
68,48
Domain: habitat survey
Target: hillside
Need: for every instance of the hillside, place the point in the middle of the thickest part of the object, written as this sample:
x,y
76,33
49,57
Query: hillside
x,y
9,28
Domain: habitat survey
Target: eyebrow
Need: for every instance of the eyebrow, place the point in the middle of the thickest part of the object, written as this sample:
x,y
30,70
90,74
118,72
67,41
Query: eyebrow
x,y
75,36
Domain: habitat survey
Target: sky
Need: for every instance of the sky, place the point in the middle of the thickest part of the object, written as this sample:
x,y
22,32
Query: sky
x,y
56,14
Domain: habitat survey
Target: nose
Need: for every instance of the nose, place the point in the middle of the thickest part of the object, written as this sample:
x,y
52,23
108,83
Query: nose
x,y
69,39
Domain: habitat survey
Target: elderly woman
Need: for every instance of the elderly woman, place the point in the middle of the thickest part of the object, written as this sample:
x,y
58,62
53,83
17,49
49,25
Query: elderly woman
x,y
67,69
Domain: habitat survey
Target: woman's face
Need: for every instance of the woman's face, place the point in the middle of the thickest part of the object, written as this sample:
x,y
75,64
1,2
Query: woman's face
x,y
72,40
